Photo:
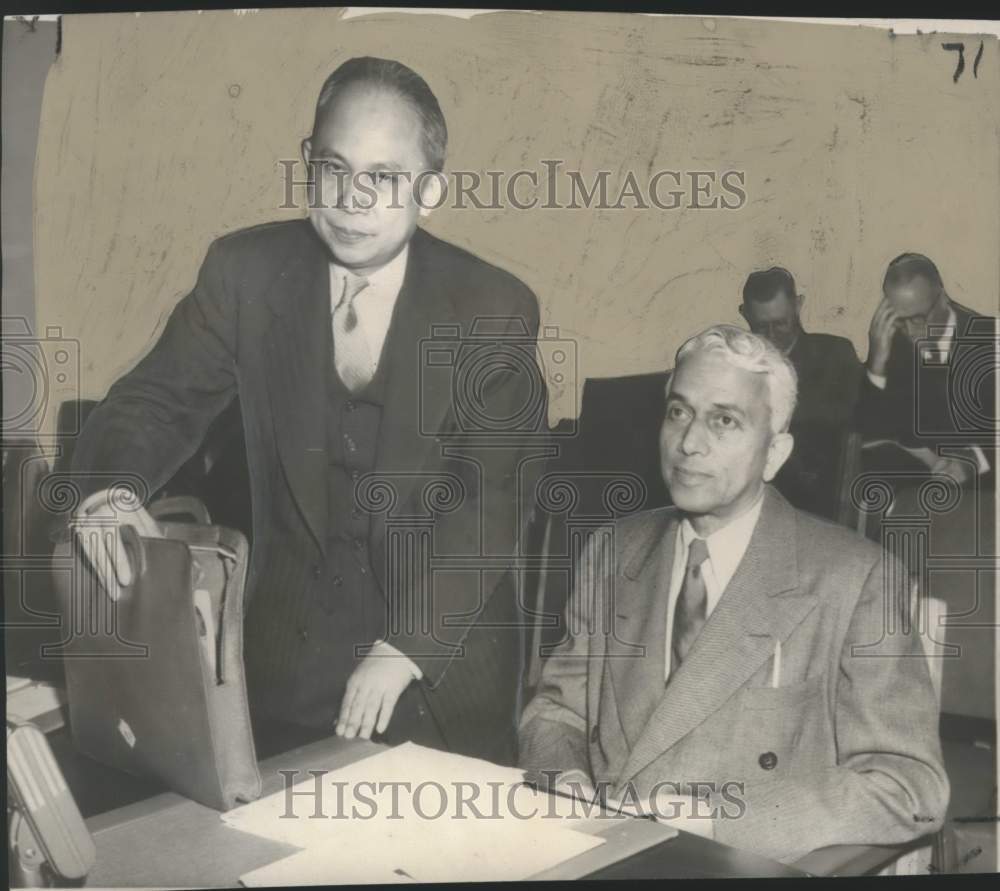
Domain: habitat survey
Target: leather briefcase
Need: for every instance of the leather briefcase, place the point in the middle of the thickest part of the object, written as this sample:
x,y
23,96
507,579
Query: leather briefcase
x,y
155,681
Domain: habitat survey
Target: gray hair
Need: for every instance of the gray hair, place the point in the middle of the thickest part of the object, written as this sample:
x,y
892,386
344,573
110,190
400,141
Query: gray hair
x,y
751,353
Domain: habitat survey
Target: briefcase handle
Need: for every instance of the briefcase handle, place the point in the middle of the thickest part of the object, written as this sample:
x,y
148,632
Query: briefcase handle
x,y
181,506
134,551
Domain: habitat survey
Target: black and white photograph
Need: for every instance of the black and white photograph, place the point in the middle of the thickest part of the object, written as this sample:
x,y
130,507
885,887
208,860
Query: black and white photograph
x,y
458,445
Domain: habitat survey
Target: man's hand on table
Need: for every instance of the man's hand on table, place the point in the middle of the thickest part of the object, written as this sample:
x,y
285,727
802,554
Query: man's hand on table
x,y
373,689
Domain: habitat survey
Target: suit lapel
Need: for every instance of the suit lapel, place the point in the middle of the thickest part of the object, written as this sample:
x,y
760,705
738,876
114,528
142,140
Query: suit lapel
x,y
762,604
416,403
298,352
637,649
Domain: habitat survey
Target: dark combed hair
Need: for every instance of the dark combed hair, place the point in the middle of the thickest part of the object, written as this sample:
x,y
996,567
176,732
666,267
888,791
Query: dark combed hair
x,y
405,82
765,284
909,265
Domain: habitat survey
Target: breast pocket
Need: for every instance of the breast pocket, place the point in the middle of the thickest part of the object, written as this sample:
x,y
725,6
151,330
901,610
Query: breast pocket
x,y
790,696
778,727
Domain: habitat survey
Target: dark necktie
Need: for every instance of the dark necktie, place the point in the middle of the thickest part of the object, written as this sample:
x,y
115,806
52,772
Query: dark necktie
x,y
692,605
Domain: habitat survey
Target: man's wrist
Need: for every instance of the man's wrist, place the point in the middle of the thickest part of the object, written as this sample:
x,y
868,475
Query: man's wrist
x,y
385,650
85,507
982,463
878,379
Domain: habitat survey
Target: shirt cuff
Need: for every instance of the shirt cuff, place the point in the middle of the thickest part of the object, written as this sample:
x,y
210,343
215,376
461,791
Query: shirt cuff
x,y
382,649
984,465
100,497
879,380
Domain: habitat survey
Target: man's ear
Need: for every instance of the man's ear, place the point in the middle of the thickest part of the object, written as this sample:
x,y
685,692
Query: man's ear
x,y
743,312
799,300
777,454
431,192
306,150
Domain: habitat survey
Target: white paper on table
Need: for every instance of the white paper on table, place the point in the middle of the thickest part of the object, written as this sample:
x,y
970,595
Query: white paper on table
x,y
472,821
442,850
312,868
365,788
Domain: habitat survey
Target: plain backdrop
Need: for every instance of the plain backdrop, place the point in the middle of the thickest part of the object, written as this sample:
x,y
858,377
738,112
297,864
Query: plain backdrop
x,y
162,131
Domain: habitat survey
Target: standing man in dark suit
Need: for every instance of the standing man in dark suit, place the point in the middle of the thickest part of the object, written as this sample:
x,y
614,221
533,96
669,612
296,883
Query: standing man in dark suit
x,y
321,327
931,373
829,373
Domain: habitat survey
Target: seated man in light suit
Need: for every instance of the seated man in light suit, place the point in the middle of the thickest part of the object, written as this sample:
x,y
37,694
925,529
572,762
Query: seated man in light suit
x,y
746,645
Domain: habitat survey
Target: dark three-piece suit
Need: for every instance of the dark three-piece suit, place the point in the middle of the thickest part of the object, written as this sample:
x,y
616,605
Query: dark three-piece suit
x,y
357,498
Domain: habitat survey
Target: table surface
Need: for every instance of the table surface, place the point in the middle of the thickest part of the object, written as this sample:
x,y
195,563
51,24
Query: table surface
x,y
170,841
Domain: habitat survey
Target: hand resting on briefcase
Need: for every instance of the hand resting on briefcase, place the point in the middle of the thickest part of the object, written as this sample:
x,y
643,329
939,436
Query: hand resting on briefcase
x,y
154,663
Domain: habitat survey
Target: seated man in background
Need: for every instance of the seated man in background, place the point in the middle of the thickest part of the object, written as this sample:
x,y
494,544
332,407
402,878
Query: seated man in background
x,y
829,373
746,650
931,375
926,412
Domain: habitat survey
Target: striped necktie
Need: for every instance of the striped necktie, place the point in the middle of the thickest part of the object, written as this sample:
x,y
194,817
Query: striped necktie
x,y
691,609
351,354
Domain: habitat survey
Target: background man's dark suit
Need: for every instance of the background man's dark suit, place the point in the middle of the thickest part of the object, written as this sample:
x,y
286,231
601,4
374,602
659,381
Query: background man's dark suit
x,y
927,404
258,323
829,374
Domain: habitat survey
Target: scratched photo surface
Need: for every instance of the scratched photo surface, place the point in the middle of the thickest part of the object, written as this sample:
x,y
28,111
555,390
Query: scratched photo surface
x,y
499,445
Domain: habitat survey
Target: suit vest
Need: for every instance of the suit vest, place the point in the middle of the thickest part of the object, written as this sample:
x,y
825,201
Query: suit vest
x,y
353,422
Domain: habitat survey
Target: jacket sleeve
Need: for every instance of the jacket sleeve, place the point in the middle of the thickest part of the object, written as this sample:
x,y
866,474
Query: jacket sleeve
x,y
847,373
876,410
155,417
553,731
889,784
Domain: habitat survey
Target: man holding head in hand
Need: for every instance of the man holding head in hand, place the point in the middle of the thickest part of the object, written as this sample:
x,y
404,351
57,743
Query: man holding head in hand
x,y
931,375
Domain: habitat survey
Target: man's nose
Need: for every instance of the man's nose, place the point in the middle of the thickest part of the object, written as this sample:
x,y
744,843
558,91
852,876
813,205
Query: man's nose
x,y
350,198
694,440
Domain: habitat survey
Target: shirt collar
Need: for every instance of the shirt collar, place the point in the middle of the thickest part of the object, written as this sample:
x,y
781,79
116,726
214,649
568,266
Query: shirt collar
x,y
942,346
951,326
387,279
726,546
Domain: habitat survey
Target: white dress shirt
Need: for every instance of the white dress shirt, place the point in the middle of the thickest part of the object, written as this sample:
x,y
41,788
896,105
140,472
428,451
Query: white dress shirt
x,y
726,547
941,353
374,306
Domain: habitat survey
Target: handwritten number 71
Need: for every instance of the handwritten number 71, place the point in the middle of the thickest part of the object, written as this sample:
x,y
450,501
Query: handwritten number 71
x,y
960,67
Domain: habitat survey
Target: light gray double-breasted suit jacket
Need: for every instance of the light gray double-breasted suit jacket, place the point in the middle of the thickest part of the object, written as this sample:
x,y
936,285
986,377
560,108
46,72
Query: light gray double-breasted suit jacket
x,y
844,750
